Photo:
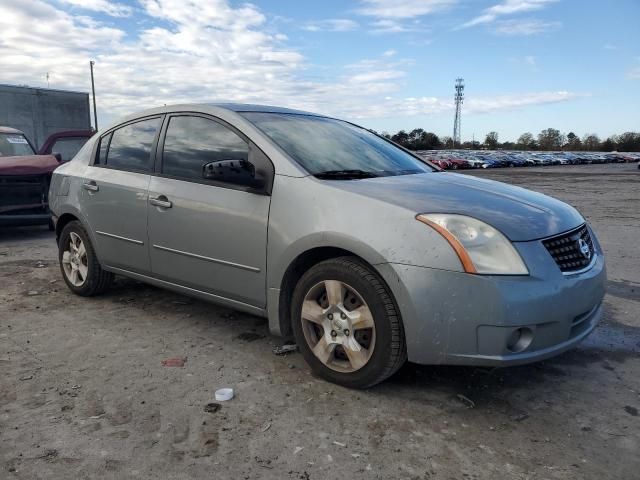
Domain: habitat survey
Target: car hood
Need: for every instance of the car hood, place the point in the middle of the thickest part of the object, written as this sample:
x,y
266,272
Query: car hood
x,y
520,214
28,165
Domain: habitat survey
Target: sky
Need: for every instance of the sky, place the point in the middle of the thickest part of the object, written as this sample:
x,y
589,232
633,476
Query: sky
x,y
527,65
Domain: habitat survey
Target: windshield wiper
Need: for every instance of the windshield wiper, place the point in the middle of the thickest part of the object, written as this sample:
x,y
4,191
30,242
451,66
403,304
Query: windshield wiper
x,y
345,174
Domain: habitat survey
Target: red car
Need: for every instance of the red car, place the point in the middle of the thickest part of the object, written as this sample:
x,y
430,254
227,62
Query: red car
x,y
441,162
457,163
65,143
24,180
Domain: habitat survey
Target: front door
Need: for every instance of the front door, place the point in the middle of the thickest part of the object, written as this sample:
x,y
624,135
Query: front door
x,y
205,234
114,192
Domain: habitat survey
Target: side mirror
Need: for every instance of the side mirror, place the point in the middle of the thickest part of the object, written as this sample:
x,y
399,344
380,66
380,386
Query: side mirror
x,y
58,156
237,172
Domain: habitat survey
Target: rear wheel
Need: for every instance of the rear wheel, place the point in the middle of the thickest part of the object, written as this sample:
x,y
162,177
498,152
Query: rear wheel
x,y
78,262
346,324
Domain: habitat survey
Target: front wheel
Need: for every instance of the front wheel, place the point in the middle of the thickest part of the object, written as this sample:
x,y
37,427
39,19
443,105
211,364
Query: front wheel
x,y
346,324
79,264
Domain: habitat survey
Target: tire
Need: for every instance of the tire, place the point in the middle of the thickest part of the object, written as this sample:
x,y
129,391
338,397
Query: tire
x,y
90,279
364,295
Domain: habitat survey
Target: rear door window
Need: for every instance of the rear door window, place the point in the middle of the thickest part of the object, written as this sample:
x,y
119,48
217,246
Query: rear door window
x,y
130,146
191,142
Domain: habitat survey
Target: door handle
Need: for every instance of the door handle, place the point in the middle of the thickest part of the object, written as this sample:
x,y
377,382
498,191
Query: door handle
x,y
90,185
160,201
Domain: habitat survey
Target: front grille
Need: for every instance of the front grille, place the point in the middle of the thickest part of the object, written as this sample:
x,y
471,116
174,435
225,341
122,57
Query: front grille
x,y
567,249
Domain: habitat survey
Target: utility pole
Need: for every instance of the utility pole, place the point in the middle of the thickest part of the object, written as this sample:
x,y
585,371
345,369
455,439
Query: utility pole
x,y
457,121
93,93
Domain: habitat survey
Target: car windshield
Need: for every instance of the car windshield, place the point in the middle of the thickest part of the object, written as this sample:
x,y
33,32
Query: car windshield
x,y
333,147
14,145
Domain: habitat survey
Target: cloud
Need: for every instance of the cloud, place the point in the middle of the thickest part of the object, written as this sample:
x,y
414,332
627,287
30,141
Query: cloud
x,y
386,25
331,25
104,6
212,14
511,102
528,61
389,53
507,7
194,50
524,27
428,105
190,51
375,77
402,8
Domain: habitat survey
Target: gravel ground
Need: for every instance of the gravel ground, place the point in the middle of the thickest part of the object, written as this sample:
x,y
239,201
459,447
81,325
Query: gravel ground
x,y
83,393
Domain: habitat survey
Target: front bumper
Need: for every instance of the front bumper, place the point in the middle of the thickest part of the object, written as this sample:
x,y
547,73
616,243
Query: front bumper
x,y
463,319
24,219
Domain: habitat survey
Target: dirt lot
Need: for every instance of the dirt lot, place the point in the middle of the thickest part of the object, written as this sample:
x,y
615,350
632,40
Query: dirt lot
x,y
83,393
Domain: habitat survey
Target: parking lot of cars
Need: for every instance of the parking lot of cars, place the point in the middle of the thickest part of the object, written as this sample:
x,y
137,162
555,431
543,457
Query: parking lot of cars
x,y
465,159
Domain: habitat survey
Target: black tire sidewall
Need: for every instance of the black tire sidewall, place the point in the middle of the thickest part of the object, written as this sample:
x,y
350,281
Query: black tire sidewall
x,y
89,286
379,361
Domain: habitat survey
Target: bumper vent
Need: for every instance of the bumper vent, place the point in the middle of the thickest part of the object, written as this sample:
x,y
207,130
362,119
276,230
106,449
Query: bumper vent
x,y
572,251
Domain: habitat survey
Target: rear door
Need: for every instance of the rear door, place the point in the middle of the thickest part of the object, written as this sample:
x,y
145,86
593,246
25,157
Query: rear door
x,y
205,234
114,195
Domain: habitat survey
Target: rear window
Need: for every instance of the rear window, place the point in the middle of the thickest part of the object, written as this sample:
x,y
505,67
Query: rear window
x,y
14,145
130,146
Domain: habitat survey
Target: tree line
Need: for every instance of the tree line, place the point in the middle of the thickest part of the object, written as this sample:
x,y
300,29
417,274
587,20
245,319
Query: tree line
x,y
549,139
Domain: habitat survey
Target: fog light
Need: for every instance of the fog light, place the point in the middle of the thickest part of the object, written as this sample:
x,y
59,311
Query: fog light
x,y
519,340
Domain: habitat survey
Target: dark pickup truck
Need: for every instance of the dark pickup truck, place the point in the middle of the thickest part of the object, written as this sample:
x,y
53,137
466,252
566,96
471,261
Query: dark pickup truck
x,y
25,176
65,143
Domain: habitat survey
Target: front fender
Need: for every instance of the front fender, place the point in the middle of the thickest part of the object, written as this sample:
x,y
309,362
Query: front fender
x,y
307,213
315,240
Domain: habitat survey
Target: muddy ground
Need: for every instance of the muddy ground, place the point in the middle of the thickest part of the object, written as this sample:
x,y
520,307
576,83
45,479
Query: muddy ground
x,y
83,393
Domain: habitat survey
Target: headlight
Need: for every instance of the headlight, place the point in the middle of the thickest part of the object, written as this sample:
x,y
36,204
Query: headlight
x,y
480,247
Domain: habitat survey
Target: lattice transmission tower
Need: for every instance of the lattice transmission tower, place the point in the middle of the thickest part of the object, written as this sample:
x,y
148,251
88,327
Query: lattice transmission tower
x,y
457,121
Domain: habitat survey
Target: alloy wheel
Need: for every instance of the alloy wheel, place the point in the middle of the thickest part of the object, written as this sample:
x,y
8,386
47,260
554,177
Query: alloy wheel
x,y
338,326
74,261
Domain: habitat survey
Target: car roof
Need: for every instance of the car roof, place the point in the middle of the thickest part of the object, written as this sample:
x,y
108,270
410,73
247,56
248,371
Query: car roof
x,y
250,107
10,130
215,108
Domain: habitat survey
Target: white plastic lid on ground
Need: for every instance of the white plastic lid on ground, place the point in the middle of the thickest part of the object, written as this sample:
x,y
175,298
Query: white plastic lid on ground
x,y
224,394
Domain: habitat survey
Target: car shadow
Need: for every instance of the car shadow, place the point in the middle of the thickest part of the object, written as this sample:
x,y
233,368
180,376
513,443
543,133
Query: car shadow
x,y
512,390
459,387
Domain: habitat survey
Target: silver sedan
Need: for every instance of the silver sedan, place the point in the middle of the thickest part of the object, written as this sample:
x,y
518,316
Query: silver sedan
x,y
367,254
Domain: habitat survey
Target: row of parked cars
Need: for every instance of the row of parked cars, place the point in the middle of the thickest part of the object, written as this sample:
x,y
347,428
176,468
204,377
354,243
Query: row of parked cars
x,y
459,159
